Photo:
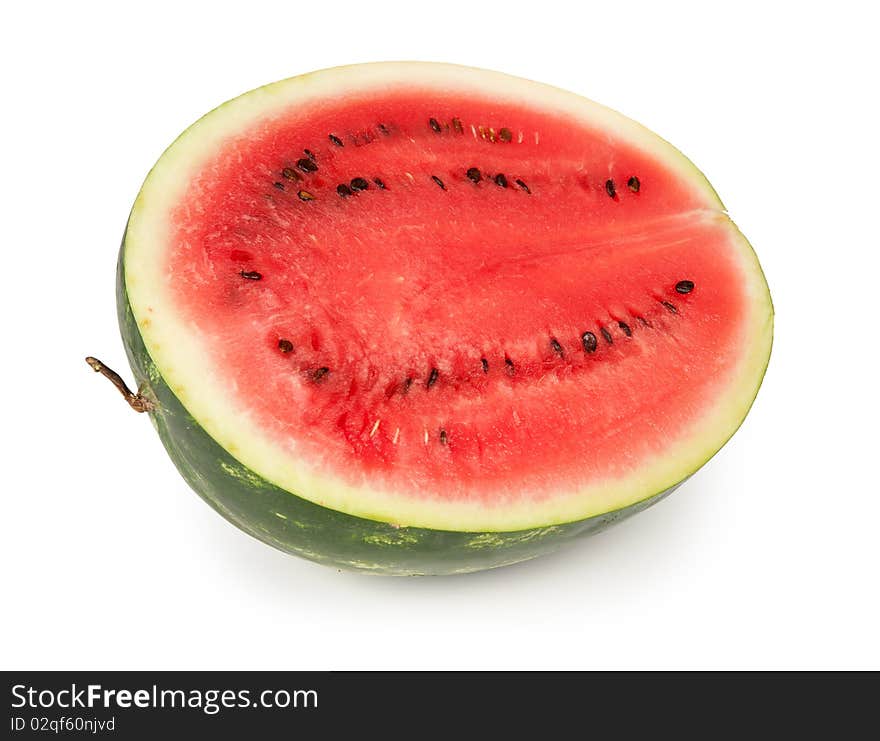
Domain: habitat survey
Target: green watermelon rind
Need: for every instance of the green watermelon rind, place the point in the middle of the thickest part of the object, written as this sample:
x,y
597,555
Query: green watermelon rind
x,y
291,514
300,527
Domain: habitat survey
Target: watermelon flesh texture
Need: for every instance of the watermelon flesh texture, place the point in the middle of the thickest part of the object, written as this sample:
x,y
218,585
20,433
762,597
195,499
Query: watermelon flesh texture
x,y
441,307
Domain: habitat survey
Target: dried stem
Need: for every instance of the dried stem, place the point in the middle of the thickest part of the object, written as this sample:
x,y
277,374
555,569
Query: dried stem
x,y
135,401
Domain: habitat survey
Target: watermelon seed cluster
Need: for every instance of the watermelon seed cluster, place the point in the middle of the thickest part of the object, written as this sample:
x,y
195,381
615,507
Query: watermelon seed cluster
x,y
488,133
359,138
589,343
308,164
457,127
611,188
358,184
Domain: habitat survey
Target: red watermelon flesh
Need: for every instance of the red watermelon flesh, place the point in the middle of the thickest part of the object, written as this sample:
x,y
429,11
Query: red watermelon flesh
x,y
483,306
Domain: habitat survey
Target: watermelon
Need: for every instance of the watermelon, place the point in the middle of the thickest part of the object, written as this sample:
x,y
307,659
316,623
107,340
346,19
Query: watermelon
x,y
412,318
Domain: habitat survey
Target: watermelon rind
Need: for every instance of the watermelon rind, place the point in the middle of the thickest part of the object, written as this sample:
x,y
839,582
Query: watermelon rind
x,y
284,503
297,526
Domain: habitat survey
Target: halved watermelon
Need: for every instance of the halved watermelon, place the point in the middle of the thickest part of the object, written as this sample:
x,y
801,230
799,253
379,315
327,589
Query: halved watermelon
x,y
418,318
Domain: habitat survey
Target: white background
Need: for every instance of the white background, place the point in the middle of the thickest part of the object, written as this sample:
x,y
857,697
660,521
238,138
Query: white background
x,y
767,558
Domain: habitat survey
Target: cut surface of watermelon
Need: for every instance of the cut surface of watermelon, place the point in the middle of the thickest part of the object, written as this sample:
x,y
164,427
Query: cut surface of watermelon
x,y
445,298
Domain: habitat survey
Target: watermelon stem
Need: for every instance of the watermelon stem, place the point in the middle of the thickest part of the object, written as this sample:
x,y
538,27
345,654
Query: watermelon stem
x,y
135,401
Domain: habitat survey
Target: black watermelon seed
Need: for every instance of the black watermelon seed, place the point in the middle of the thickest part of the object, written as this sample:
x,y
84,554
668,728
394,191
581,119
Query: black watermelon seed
x,y
456,125
485,364
610,188
501,180
407,383
251,275
556,347
310,154
336,140
380,183
607,335
633,184
343,190
442,436
285,346
474,174
670,307
383,129
432,378
505,135
509,366
684,286
625,327
438,181
280,186
589,341
304,195
319,373
306,165
522,185
290,174
359,184
432,122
